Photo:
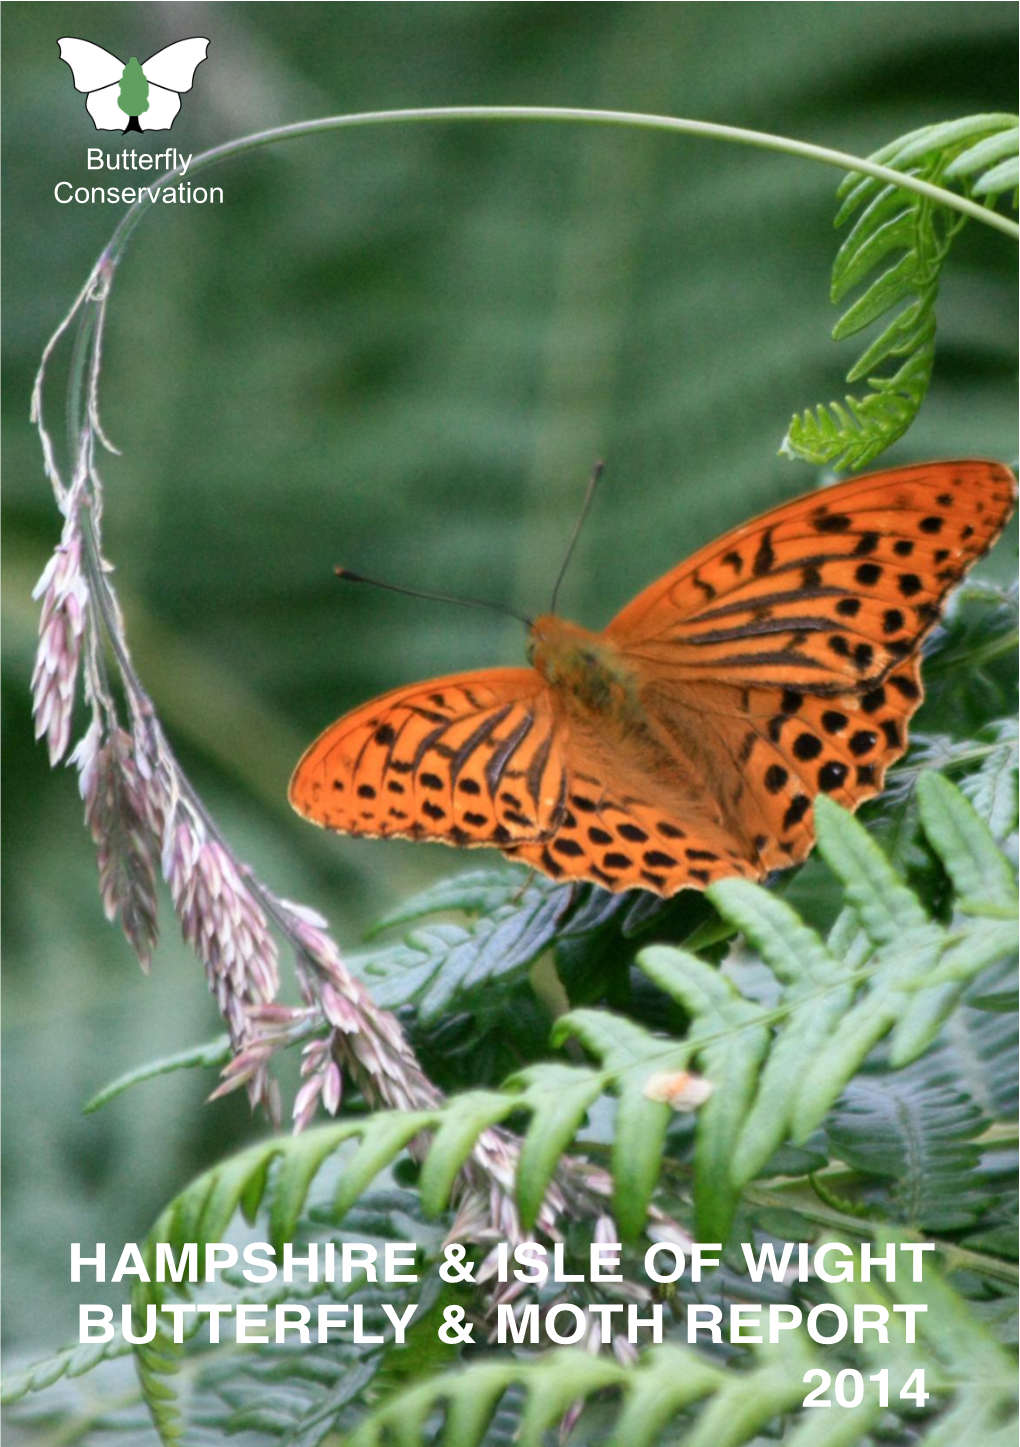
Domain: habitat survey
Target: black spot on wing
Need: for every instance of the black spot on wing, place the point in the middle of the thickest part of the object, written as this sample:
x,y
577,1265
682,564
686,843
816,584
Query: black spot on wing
x,y
866,543
765,557
796,811
806,747
905,686
831,775
831,522
862,742
775,778
873,700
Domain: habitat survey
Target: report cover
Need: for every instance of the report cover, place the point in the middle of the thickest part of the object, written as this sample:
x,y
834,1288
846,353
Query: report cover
x,y
581,436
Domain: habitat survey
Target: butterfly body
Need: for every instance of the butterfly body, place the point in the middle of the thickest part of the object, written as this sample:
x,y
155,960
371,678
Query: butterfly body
x,y
687,741
587,672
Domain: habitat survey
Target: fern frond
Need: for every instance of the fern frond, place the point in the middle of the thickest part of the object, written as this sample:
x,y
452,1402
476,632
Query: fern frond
x,y
911,236
437,962
706,1405
775,1068
212,1052
443,964
993,787
917,1128
72,1361
892,972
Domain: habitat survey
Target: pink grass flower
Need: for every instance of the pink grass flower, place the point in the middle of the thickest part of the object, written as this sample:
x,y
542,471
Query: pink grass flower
x,y
120,819
61,625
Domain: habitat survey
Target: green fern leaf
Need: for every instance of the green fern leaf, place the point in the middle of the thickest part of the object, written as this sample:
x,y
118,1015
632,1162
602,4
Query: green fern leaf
x,y
213,1052
916,1128
992,789
978,154
452,1144
73,1361
776,1066
476,891
703,1405
629,1056
559,1097
978,869
731,1040
439,962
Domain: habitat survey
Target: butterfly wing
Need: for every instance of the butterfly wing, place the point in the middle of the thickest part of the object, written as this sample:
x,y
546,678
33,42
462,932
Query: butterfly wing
x,y
827,592
168,72
782,660
621,840
728,788
102,106
91,66
472,759
162,109
174,67
777,663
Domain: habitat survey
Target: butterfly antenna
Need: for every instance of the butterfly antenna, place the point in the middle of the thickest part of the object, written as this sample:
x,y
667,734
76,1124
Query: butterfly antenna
x,y
596,473
349,577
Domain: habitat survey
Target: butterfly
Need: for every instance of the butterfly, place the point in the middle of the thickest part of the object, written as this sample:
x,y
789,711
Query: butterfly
x,y
114,88
687,741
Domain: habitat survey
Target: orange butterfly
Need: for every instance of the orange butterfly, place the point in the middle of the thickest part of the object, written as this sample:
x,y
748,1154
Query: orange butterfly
x,y
687,740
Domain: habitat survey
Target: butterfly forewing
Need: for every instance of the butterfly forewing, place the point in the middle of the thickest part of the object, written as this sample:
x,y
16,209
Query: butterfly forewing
x,y
827,592
468,760
796,638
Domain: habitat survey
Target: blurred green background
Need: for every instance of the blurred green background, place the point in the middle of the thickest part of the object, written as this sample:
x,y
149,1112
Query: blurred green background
x,y
402,349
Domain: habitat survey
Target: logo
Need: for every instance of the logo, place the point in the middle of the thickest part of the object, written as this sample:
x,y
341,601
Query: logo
x,y
147,97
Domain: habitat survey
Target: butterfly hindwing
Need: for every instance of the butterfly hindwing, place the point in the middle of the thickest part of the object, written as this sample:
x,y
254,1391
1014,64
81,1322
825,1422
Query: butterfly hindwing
x,y
619,841
469,760
779,748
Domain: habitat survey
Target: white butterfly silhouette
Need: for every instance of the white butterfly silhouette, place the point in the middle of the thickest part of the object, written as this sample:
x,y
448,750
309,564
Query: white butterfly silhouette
x,y
99,75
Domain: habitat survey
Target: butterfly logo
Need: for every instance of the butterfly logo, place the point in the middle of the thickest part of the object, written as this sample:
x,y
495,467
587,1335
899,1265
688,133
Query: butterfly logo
x,y
133,97
688,740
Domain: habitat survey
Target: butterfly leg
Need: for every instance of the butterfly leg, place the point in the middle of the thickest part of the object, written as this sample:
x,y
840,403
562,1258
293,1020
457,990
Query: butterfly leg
x,y
525,886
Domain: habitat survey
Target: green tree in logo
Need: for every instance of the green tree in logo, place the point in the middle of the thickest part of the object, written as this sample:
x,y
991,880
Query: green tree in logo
x,y
134,94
